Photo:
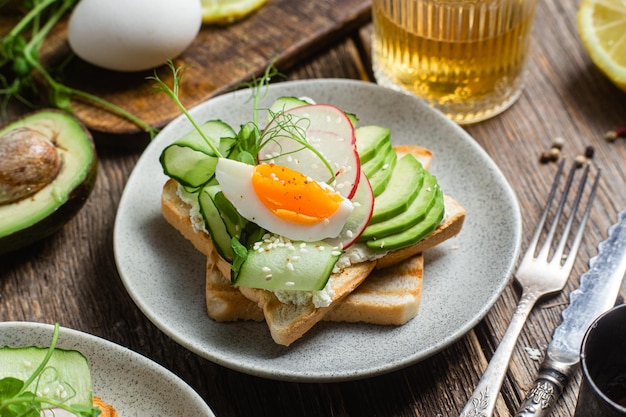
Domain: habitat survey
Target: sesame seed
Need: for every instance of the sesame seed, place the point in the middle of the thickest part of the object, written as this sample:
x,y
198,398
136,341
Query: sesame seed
x,y
290,266
289,283
268,277
266,269
349,233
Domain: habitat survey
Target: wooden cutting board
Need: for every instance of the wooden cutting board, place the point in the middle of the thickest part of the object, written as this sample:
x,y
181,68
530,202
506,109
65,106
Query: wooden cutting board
x,y
219,59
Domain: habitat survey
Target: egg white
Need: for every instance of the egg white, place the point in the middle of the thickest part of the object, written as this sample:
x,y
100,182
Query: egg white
x,y
235,179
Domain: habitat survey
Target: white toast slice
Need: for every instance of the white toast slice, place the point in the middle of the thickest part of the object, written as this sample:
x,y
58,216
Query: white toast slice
x,y
386,297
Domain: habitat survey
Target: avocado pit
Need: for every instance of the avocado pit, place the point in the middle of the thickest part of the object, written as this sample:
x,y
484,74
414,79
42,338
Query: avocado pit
x,y
28,162
48,168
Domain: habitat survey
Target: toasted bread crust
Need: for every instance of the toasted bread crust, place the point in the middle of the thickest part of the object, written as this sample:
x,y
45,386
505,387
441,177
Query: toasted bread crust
x,y
288,322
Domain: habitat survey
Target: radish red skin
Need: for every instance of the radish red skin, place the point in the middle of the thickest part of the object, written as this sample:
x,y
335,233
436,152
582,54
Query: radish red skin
x,y
330,131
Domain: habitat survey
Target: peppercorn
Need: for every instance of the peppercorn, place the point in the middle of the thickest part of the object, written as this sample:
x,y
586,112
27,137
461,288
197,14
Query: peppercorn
x,y
558,143
589,151
618,132
580,160
545,157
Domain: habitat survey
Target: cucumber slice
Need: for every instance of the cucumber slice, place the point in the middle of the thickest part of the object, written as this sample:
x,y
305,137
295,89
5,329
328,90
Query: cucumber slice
x,y
190,160
283,104
214,222
67,369
284,265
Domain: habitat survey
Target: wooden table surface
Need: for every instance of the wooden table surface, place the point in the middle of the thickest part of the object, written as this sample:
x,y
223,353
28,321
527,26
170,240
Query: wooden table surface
x,y
72,278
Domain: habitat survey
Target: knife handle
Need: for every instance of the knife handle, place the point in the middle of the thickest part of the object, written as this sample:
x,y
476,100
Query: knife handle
x,y
546,390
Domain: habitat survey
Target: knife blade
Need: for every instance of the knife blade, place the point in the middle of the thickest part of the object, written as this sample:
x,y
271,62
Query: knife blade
x,y
597,293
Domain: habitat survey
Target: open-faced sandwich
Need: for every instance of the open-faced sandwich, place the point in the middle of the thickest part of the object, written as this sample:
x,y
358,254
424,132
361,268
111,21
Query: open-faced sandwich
x,y
47,382
311,217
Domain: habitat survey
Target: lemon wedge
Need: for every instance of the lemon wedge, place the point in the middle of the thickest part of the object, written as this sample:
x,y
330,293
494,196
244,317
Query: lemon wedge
x,y
223,12
602,28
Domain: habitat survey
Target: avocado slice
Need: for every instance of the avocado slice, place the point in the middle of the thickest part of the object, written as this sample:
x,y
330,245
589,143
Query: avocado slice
x,y
59,193
415,233
414,214
406,180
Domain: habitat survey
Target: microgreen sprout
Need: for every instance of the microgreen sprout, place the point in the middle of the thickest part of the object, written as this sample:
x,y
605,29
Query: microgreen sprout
x,y
172,93
251,137
22,69
17,401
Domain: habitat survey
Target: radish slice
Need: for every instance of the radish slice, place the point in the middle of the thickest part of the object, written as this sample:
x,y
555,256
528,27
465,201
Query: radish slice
x,y
329,131
363,201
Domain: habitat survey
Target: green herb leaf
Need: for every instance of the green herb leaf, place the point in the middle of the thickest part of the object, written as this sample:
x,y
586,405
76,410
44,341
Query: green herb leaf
x,y
10,387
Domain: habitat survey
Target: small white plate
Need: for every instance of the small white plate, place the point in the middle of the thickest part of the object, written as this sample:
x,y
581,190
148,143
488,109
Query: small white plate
x,y
463,277
133,384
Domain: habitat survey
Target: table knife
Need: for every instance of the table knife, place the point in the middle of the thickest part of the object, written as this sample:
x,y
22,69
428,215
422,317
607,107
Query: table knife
x,y
597,293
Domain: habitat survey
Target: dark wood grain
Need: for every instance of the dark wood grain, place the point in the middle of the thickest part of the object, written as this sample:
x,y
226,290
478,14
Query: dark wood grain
x,y
71,278
219,59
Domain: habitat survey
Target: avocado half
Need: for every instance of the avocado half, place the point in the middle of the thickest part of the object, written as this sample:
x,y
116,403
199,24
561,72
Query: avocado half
x,y
48,167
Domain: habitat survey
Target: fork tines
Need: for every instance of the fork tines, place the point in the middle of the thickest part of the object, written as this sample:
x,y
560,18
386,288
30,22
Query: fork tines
x,y
564,204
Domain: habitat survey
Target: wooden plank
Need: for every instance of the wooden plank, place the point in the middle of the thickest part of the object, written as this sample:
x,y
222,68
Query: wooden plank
x,y
219,59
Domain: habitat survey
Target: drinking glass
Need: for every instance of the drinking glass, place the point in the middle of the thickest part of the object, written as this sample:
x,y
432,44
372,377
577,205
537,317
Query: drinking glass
x,y
467,58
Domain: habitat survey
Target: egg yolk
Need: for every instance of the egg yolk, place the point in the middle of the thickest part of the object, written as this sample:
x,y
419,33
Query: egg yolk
x,y
292,196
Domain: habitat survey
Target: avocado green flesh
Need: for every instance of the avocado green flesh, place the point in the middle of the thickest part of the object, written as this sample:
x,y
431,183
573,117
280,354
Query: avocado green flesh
x,y
415,233
380,179
68,369
406,180
43,213
379,160
414,214
370,140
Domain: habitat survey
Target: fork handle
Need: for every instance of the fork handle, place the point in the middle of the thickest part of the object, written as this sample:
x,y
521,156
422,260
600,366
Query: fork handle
x,y
546,390
483,400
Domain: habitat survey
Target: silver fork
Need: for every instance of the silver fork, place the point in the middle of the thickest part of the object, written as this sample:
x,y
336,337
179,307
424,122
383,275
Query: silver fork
x,y
538,276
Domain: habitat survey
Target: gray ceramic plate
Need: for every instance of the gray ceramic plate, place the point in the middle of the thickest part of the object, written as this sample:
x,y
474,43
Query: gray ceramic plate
x,y
133,384
463,278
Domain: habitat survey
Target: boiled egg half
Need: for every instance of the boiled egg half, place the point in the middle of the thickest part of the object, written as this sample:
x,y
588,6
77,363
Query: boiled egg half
x,y
283,201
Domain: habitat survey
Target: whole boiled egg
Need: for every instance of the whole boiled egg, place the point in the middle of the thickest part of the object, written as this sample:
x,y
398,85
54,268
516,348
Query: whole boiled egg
x,y
133,35
283,201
